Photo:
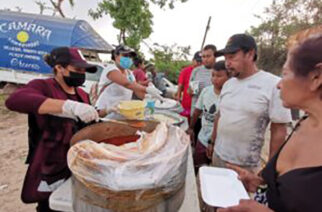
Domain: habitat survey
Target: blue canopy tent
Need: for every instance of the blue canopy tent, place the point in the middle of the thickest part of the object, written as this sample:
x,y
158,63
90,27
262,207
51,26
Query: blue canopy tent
x,y
25,38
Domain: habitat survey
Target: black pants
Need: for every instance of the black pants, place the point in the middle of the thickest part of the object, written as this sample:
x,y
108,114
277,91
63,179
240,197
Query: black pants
x,y
44,207
197,128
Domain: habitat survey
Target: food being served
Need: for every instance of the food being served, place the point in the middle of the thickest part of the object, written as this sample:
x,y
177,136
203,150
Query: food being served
x,y
118,141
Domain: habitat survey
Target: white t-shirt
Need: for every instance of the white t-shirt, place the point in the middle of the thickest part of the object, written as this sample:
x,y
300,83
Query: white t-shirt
x,y
246,108
208,103
113,93
199,79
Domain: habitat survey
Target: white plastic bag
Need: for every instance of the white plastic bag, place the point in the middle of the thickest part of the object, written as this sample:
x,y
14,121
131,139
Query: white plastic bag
x,y
156,160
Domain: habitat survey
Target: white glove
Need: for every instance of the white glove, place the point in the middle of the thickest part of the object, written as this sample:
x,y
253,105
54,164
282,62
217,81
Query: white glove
x,y
154,92
85,112
107,111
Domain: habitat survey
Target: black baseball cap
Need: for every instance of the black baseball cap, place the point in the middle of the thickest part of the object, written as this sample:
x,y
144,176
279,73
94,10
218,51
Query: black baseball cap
x,y
70,56
197,56
238,42
122,49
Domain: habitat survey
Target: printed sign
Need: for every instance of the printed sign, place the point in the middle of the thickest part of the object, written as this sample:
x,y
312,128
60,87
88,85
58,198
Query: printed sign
x,y
25,38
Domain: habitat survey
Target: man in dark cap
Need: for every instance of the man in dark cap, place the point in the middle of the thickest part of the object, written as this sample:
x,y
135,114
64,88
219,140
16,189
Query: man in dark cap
x,y
248,103
183,84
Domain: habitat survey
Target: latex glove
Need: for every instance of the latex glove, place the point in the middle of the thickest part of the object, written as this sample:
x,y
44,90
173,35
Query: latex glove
x,y
154,92
83,111
112,110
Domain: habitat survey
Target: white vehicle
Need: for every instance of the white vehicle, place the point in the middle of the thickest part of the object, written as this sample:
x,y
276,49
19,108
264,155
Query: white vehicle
x,y
93,78
21,77
26,38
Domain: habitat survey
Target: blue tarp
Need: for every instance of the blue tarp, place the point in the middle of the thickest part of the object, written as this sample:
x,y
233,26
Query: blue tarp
x,y
25,38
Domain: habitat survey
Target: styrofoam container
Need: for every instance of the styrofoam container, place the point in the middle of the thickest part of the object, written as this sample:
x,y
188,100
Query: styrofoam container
x,y
220,187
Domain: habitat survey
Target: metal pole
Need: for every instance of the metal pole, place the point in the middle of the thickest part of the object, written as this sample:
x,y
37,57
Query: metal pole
x,y
207,29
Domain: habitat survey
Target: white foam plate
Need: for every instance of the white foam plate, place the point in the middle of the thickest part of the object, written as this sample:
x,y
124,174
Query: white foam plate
x,y
220,187
166,104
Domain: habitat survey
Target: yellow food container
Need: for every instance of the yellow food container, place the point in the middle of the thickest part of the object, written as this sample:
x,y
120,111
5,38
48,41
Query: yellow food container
x,y
133,109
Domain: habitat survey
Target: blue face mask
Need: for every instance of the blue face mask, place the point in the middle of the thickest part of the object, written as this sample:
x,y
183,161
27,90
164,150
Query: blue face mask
x,y
126,62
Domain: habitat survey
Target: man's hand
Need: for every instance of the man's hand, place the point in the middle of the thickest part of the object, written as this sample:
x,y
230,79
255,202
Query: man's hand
x,y
189,91
210,150
191,133
177,97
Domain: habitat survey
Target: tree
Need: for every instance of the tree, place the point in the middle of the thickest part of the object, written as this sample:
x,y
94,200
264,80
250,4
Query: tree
x,y
43,6
163,3
170,59
133,18
56,6
280,20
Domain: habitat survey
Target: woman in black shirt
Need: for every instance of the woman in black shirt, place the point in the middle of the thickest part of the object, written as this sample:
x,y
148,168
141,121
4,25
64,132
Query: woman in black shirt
x,y
294,175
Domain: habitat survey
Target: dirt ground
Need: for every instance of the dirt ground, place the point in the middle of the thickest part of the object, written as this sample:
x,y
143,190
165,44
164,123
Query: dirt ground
x,y
13,152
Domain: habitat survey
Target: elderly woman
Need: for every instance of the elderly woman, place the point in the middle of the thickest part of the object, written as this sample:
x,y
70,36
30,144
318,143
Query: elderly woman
x,y
294,174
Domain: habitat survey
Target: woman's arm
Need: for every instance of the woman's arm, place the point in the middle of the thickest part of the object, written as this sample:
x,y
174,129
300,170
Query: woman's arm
x,y
33,99
29,98
51,106
120,79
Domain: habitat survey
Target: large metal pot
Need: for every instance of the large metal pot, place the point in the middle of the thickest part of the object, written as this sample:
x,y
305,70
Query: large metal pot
x,y
89,199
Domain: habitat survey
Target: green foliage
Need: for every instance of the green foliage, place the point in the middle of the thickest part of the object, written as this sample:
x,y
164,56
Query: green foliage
x,y
170,3
170,59
132,17
279,21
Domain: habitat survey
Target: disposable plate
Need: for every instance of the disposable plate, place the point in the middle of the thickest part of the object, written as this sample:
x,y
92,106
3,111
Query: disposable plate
x,y
220,187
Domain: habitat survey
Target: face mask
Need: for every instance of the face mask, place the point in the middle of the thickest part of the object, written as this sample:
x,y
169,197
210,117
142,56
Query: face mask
x,y
126,62
74,79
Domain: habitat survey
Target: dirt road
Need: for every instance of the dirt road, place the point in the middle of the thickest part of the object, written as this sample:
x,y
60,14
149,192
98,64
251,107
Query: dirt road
x,y
13,151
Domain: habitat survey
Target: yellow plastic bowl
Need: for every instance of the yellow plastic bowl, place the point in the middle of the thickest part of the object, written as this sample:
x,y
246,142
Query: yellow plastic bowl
x,y
133,109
